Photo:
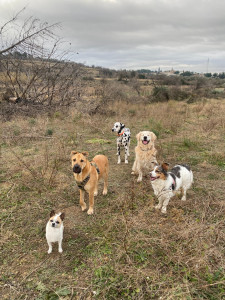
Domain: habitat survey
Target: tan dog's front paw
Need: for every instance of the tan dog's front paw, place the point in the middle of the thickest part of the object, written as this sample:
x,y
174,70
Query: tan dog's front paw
x,y
96,193
90,211
83,207
104,192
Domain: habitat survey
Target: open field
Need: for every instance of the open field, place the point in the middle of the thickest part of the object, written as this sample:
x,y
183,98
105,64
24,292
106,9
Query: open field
x,y
126,250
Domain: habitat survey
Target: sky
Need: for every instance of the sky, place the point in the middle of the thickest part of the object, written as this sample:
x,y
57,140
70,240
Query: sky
x,y
182,35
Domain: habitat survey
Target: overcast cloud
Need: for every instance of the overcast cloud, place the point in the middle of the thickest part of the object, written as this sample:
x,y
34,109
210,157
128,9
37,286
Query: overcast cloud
x,y
134,34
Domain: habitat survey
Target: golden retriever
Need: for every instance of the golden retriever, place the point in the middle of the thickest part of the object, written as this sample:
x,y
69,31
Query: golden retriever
x,y
145,154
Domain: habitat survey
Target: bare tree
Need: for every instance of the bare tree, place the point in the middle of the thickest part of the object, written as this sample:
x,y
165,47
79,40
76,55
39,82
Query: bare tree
x,y
33,65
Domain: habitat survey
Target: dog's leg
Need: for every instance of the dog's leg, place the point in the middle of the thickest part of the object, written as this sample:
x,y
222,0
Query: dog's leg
x,y
139,173
91,203
96,190
160,204
165,203
50,248
128,148
60,246
126,154
184,190
105,190
82,203
134,168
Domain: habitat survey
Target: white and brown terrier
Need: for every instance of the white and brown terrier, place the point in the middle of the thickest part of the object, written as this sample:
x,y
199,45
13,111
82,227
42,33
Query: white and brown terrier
x,y
54,230
165,184
123,139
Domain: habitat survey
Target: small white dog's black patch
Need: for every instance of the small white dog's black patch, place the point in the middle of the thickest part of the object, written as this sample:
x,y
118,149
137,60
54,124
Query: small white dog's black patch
x,y
123,139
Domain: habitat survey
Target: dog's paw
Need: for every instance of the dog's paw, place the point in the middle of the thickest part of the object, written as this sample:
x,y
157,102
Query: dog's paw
x,y
118,162
139,179
49,251
60,250
157,206
83,207
163,210
96,193
183,198
90,211
126,161
104,192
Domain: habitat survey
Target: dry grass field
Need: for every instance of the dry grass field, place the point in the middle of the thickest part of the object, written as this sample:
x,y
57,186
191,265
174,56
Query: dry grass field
x,y
126,250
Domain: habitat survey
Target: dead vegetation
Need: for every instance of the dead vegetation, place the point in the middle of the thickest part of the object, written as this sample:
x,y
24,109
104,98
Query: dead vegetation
x,y
126,250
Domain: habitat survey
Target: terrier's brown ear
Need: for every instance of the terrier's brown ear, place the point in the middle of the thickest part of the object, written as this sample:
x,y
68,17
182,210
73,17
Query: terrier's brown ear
x,y
62,216
52,213
165,166
73,153
85,154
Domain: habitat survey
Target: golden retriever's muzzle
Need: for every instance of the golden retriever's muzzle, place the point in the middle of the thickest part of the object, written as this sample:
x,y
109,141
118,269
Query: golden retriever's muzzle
x,y
145,140
76,169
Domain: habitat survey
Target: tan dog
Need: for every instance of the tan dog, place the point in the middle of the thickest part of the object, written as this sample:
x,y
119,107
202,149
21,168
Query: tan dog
x,y
145,154
87,175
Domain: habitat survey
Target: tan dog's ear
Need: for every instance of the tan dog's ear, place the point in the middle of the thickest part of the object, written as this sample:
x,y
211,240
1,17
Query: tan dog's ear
x,y
153,136
138,136
52,213
73,152
165,166
62,216
85,154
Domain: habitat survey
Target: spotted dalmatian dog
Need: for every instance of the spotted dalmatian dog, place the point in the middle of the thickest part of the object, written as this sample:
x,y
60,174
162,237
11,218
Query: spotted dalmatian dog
x,y
123,139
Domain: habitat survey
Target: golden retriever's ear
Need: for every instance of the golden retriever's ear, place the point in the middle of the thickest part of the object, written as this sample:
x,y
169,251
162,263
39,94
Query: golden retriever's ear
x,y
85,154
153,136
165,166
138,136
73,153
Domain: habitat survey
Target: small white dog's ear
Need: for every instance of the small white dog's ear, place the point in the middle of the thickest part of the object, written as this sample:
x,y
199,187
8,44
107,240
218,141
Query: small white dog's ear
x,y
62,216
153,136
52,213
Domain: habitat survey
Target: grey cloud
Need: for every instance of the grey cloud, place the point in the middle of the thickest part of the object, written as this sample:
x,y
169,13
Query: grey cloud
x,y
137,34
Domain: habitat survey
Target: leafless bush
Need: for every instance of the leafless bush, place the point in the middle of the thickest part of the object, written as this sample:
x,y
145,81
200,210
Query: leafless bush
x,y
33,67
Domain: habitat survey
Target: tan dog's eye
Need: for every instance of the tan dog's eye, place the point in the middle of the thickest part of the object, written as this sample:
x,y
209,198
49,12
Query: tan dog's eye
x,y
74,159
57,222
81,160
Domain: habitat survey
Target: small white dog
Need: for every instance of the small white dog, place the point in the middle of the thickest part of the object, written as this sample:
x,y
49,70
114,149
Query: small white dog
x,y
54,230
123,139
165,184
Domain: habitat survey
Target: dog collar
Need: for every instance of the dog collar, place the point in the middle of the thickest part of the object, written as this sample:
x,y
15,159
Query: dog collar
x,y
121,133
81,184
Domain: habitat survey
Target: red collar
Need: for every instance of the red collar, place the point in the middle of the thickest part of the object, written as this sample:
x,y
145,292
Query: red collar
x,y
121,133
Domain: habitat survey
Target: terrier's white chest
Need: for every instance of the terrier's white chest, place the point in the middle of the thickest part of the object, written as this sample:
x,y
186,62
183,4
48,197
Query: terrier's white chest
x,y
54,234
